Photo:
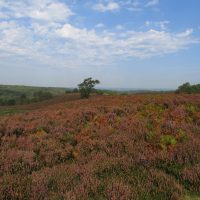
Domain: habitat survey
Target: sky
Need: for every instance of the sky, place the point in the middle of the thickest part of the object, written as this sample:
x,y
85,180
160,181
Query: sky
x,y
143,44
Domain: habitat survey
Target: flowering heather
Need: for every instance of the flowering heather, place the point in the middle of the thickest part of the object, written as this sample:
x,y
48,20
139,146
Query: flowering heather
x,y
104,148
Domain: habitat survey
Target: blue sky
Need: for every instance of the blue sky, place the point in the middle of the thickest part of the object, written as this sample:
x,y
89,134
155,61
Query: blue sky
x,y
123,43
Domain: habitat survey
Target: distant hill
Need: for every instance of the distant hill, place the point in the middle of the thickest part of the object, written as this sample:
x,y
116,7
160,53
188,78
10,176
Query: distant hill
x,y
14,94
30,89
133,90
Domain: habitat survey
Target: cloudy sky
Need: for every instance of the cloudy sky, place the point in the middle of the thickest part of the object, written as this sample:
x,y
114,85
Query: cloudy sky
x,y
123,43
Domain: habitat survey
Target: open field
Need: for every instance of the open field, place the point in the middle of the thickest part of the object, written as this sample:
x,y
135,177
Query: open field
x,y
137,147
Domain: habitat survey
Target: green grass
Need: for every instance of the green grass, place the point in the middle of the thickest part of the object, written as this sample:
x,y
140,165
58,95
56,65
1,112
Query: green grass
x,y
10,111
191,196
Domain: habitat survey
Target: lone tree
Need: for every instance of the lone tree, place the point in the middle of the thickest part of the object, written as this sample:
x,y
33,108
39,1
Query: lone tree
x,y
86,87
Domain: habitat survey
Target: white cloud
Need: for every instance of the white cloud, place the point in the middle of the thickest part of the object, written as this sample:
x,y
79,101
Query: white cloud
x,y
137,5
147,23
100,25
132,5
82,35
16,40
3,16
110,6
186,33
152,3
7,25
54,44
163,25
108,46
45,29
51,39
119,27
46,10
52,12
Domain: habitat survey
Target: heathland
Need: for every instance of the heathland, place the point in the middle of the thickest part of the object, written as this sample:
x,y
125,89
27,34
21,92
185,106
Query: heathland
x,y
115,147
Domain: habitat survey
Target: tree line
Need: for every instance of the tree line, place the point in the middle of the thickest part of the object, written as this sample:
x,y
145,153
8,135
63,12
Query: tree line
x,y
188,88
22,98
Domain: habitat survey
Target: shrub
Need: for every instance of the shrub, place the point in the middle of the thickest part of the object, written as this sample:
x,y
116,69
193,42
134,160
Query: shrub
x,y
11,102
15,187
191,178
166,141
69,138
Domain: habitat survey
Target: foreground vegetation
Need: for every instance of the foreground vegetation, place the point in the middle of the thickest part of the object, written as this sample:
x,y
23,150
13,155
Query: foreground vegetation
x,y
105,147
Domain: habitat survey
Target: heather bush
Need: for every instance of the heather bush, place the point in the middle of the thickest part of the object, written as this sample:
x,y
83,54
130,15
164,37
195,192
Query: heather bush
x,y
186,153
68,138
15,187
17,162
162,186
191,177
57,180
118,190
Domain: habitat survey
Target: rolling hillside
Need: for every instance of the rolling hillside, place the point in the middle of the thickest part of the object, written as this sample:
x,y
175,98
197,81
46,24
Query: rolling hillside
x,y
15,95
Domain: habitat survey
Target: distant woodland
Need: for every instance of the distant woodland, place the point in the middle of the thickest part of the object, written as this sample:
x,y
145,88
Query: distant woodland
x,y
188,88
15,95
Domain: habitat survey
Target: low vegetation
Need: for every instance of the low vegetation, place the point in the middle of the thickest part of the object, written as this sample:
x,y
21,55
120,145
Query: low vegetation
x,y
107,147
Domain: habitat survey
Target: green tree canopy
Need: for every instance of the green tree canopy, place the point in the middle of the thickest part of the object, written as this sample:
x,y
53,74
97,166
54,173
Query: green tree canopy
x,y
188,88
85,88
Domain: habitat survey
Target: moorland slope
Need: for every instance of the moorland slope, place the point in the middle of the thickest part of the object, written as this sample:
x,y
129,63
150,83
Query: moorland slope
x,y
106,147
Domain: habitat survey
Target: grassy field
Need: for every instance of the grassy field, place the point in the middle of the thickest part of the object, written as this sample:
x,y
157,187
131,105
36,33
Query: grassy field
x,y
135,147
